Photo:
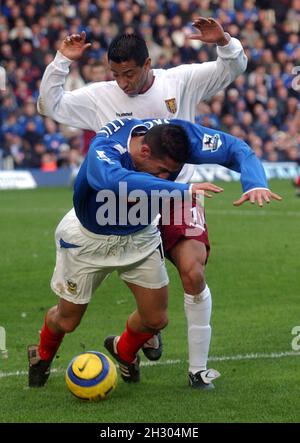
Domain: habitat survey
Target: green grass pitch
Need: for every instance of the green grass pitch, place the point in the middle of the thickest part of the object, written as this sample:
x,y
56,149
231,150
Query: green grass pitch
x,y
253,273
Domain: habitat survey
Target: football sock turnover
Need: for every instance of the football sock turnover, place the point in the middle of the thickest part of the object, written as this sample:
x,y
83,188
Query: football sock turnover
x,y
130,342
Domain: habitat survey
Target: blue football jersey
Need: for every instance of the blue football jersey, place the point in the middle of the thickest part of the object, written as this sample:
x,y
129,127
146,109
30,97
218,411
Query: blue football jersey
x,y
107,177
108,164
209,146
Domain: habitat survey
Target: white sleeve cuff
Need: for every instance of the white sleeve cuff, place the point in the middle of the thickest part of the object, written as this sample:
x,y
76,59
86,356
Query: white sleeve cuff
x,y
61,59
256,189
231,50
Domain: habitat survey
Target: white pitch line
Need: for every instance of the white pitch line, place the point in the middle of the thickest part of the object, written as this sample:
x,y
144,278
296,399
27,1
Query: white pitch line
x,y
238,357
258,213
253,356
18,373
248,212
28,210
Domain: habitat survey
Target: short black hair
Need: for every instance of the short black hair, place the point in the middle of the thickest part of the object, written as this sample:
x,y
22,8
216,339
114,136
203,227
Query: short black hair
x,y
127,47
168,140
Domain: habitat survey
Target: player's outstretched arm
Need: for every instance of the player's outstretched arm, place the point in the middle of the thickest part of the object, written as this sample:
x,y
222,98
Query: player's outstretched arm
x,y
73,46
259,196
205,80
74,108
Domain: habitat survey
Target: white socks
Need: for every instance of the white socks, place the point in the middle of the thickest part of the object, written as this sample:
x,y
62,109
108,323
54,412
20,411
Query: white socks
x,y
198,312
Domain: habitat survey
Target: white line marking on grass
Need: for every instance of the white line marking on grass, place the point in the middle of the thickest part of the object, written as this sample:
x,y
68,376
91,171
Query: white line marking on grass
x,y
18,373
29,210
162,363
238,357
260,212
238,212
253,356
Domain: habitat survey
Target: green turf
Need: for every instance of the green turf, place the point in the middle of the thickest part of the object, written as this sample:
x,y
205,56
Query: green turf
x,y
253,273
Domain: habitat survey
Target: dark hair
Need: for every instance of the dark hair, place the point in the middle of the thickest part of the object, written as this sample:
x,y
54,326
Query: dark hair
x,y
168,140
127,47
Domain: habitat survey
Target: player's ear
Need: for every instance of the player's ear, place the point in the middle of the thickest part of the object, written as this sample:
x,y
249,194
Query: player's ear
x,y
147,63
145,151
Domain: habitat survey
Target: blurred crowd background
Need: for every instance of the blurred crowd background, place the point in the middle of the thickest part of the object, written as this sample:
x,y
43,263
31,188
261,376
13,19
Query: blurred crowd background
x,y
261,106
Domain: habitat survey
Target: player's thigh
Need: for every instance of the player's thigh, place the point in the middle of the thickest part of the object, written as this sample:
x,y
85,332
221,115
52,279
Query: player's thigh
x,y
74,282
175,233
188,254
79,267
149,273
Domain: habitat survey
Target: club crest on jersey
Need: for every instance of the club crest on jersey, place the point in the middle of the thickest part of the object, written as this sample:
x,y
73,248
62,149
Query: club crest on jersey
x,y
72,287
211,142
171,105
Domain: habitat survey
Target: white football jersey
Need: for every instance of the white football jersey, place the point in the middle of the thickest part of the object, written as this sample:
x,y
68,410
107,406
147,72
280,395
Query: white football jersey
x,y
174,94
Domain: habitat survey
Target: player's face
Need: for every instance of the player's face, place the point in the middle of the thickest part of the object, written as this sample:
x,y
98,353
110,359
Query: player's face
x,y
161,168
132,79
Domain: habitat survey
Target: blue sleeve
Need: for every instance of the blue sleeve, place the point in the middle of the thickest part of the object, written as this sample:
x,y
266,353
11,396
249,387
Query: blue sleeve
x,y
216,147
105,171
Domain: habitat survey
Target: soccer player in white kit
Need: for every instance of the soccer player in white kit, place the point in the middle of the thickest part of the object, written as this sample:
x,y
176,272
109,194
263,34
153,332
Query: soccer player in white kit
x,y
142,92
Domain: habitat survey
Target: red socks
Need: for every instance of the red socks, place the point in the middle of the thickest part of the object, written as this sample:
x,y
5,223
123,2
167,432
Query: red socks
x,y
49,342
128,345
130,342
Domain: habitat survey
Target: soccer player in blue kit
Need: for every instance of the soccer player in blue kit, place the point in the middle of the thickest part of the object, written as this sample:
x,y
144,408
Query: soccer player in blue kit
x,y
144,155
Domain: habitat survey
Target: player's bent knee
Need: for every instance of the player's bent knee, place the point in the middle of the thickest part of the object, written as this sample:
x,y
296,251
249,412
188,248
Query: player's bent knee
x,y
193,277
157,323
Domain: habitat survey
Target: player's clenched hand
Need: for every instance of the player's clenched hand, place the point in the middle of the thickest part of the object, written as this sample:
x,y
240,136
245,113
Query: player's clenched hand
x,y
202,188
73,46
210,31
260,196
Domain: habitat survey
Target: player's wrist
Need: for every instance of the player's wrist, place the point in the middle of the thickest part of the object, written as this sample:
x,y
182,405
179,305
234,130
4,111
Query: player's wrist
x,y
62,55
224,40
260,188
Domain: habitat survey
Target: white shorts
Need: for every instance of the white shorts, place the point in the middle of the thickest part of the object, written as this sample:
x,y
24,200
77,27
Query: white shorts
x,y
85,259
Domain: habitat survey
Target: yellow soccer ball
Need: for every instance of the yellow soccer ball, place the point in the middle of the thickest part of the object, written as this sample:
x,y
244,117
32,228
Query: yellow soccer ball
x,y
91,376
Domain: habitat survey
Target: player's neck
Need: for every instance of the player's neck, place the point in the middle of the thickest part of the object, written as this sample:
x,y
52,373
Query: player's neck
x,y
149,82
134,146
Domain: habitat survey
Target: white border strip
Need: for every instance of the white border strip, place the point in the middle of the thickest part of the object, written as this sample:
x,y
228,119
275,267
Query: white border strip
x,y
238,357
255,213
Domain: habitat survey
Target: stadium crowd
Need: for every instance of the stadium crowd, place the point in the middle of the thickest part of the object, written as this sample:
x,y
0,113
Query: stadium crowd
x,y
261,106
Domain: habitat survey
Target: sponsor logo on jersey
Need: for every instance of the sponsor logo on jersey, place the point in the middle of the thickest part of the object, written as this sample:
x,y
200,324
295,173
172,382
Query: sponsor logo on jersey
x,y
124,114
171,105
72,287
211,142
102,156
